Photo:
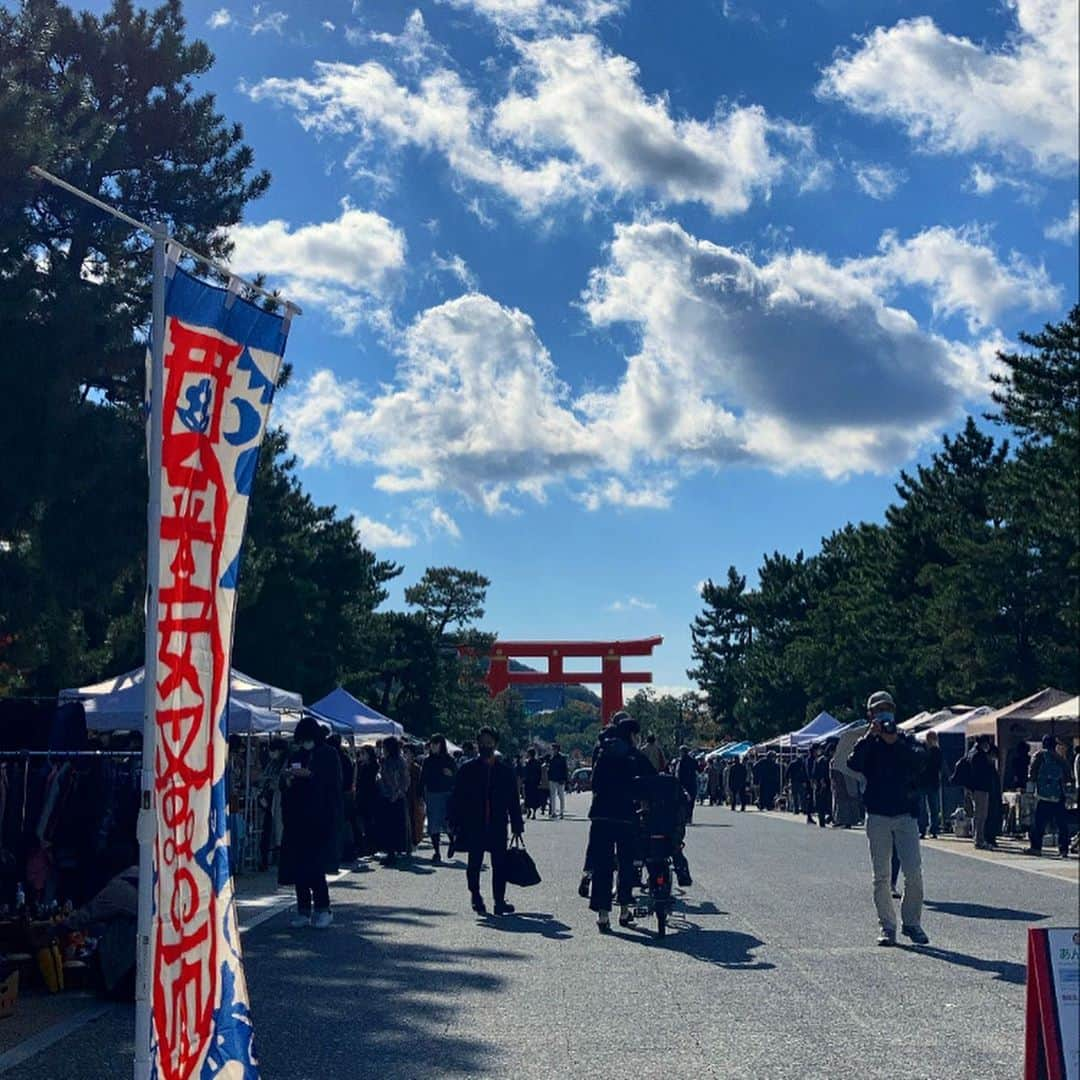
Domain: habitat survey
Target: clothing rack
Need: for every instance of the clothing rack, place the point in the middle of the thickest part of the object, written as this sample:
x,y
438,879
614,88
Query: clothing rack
x,y
64,755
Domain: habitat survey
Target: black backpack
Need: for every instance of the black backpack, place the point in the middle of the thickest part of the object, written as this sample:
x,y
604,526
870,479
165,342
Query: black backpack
x,y
666,801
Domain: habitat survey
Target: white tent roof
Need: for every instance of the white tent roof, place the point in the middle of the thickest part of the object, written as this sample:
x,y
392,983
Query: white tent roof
x,y
955,725
1067,710
916,722
822,724
117,704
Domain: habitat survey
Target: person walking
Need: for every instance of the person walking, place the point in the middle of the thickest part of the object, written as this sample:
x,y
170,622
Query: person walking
x,y
558,774
687,772
483,803
1049,774
736,785
617,786
367,798
313,817
930,788
715,782
892,765
437,782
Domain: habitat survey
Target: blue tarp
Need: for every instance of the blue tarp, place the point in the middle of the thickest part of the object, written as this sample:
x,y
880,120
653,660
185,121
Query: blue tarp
x,y
736,749
351,716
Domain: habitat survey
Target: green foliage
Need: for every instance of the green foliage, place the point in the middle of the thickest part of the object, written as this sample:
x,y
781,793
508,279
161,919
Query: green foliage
x,y
449,597
970,592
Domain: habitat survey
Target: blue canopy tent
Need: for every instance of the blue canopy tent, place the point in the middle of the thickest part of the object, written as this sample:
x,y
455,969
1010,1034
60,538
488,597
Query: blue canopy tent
x,y
837,732
350,716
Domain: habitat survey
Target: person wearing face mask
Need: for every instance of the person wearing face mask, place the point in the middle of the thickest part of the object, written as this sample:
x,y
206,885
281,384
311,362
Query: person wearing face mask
x,y
313,814
484,802
893,766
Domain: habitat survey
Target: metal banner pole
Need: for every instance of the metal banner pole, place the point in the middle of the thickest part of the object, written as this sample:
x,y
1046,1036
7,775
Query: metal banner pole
x,y
147,826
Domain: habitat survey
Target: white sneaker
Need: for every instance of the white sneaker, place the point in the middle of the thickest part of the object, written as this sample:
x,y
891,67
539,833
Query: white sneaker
x,y
299,920
322,919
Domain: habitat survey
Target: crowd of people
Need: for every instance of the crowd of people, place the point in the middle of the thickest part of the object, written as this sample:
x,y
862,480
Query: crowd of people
x,y
333,806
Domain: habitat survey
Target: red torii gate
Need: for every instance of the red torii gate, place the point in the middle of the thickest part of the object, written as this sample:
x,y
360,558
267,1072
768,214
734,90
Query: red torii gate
x,y
611,677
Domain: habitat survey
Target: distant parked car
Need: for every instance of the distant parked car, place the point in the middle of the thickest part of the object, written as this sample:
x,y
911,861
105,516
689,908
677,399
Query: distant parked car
x,y
581,780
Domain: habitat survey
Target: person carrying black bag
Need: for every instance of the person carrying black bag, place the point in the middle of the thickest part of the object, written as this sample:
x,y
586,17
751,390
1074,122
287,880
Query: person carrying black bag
x,y
483,803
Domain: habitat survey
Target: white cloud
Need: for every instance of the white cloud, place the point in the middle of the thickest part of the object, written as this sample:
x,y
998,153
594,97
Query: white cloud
x,y
962,273
328,26
543,15
632,603
954,95
578,126
264,21
220,18
1067,227
791,362
378,534
443,522
877,181
583,99
414,45
457,267
347,265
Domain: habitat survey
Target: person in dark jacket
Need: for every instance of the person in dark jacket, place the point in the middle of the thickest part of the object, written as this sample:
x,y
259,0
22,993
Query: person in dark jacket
x,y
687,771
617,788
930,788
313,814
393,823
1017,767
483,803
533,770
437,783
1049,773
558,774
367,794
796,781
736,783
822,785
977,773
893,767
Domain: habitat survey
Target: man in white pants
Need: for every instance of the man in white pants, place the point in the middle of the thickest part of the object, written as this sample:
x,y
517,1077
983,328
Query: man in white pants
x,y
558,771
892,764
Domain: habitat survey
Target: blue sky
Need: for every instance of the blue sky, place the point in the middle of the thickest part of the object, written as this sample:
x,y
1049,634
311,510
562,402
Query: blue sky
x,y
601,296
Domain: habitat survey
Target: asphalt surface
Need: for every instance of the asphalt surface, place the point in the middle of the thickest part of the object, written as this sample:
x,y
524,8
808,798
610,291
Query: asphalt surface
x,y
769,970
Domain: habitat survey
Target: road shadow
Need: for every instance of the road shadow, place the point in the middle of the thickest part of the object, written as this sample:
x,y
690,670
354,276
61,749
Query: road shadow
x,y
1003,970
529,922
728,949
710,825
706,907
983,911
357,1000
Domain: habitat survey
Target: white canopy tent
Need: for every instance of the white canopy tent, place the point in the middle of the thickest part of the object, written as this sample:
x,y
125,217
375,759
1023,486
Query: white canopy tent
x,y
117,704
953,724
822,724
1066,710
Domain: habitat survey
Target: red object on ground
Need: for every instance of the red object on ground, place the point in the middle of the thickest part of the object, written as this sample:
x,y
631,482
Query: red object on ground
x,y
611,677
1043,1058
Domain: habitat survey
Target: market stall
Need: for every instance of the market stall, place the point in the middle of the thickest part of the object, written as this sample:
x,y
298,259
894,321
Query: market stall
x,y
350,716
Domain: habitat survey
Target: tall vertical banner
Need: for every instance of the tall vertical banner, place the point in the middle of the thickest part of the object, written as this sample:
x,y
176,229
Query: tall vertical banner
x,y
221,361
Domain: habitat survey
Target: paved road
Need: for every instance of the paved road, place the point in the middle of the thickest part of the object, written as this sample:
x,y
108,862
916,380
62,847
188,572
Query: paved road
x,y
770,971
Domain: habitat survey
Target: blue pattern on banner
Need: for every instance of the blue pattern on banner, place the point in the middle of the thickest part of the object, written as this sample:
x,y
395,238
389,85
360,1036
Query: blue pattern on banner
x,y
256,379
196,417
200,304
245,470
232,574
249,423
234,1042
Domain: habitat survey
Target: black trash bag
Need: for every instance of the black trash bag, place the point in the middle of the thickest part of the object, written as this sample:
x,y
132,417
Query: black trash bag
x,y
520,868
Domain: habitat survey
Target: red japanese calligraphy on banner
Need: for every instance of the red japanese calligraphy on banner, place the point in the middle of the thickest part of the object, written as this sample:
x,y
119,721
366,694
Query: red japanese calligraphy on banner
x,y
215,400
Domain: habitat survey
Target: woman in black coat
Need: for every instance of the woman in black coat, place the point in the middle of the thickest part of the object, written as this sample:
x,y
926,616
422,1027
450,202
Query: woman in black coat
x,y
367,795
313,818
